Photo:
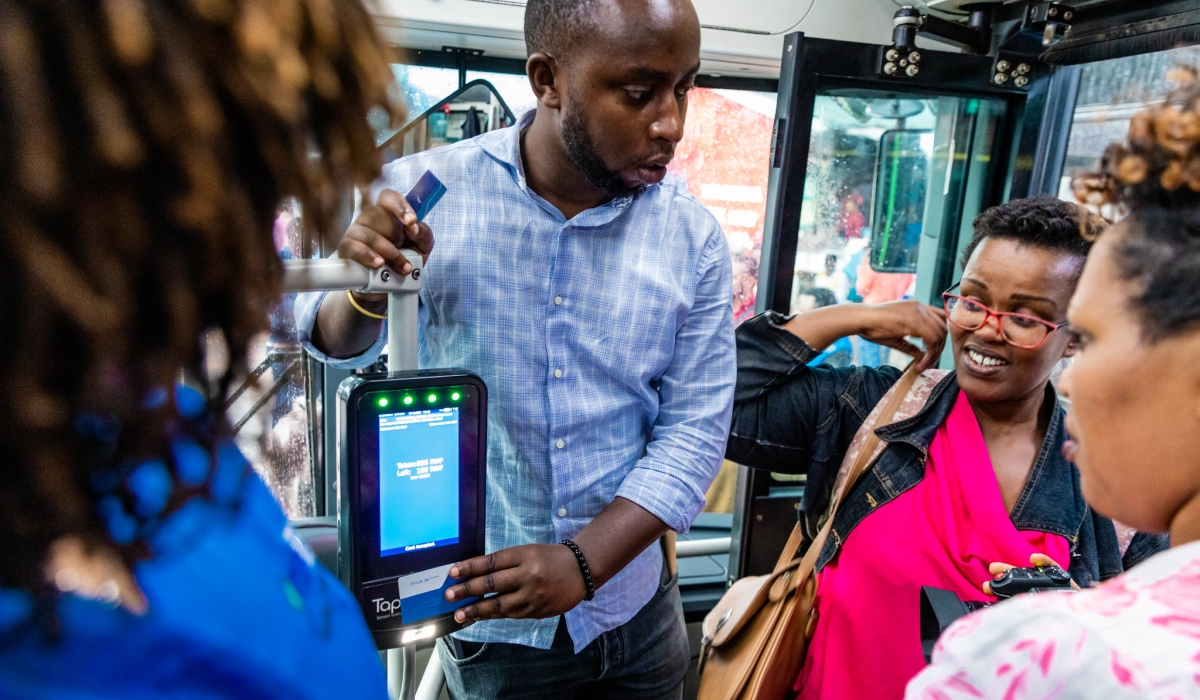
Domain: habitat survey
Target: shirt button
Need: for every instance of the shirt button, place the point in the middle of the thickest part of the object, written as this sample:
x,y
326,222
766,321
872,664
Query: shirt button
x,y
560,444
558,374
562,512
557,301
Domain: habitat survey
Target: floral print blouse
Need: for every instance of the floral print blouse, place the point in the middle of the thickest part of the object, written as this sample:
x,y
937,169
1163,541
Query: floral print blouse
x,y
1135,636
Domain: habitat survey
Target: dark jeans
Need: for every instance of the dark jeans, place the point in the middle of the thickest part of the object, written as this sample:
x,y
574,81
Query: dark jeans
x,y
646,657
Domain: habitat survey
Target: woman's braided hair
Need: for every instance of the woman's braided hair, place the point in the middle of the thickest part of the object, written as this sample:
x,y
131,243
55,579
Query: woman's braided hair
x,y
146,145
1154,180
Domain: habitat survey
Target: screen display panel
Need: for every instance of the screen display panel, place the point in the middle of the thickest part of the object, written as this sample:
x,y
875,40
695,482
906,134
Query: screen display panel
x,y
418,473
419,468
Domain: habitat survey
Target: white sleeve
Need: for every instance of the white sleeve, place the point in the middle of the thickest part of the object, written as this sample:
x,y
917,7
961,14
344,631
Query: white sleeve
x,y
1020,650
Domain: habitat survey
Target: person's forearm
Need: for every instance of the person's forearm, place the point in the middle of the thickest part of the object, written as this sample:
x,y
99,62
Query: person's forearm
x,y
822,327
616,536
341,331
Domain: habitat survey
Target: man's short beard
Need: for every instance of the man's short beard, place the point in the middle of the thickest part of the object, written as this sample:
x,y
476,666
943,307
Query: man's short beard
x,y
577,136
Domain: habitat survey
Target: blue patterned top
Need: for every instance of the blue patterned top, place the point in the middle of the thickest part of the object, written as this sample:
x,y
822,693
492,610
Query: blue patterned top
x,y
237,606
606,343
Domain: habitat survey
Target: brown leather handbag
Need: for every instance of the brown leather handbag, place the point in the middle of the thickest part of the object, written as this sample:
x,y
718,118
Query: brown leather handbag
x,y
754,640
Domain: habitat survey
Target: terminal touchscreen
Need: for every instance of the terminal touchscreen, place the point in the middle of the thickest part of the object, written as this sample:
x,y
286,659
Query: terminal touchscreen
x,y
412,485
418,473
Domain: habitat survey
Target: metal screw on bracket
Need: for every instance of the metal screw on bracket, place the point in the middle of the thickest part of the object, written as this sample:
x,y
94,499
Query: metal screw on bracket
x,y
912,70
416,274
889,68
903,63
1068,14
1002,66
1052,12
385,275
1023,68
1021,81
1000,79
914,57
892,54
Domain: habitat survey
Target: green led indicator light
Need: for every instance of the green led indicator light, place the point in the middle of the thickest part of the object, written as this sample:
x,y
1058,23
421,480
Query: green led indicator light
x,y
408,400
383,402
455,396
432,398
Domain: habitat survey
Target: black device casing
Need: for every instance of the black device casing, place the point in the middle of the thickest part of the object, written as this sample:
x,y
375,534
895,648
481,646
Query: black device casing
x,y
385,625
1029,579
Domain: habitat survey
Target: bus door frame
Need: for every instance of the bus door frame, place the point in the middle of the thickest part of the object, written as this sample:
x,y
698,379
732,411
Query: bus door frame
x,y
1027,161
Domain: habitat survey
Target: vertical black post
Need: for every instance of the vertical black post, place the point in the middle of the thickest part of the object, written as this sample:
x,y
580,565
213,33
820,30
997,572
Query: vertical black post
x,y
1050,152
789,165
1042,131
785,193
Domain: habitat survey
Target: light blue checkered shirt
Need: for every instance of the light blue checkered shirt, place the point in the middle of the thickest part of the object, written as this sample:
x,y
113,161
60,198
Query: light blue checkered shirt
x,y
606,343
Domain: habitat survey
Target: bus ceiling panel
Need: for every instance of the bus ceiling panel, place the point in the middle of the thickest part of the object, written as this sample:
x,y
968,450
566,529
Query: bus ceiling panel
x,y
719,65
772,17
738,39
430,40
764,17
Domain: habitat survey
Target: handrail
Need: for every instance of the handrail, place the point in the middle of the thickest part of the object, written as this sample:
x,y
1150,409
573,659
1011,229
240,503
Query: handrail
x,y
280,381
701,548
398,137
335,274
433,680
271,359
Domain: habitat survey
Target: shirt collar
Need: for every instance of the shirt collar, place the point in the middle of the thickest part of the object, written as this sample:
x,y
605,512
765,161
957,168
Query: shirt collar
x,y
506,148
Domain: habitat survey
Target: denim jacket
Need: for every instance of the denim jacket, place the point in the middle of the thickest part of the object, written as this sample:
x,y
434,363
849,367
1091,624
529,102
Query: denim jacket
x,y
795,419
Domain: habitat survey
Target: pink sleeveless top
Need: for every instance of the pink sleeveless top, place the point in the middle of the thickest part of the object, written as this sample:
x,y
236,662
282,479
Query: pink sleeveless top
x,y
943,532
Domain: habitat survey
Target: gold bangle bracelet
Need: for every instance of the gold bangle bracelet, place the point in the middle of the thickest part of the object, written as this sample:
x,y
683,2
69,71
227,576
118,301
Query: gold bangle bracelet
x,y
361,310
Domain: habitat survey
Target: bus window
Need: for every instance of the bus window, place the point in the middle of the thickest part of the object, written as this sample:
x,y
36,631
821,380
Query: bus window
x,y
269,411
900,177
724,160
420,87
886,177
513,87
1110,93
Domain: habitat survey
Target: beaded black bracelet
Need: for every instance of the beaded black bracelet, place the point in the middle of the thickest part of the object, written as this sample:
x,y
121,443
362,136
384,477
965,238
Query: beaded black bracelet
x,y
583,568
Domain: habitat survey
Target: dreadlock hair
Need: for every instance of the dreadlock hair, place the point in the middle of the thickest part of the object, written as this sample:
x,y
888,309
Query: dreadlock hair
x,y
146,146
1044,222
1153,179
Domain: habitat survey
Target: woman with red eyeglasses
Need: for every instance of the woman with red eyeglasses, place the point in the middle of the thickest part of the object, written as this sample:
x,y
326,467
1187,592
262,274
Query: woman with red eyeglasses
x,y
974,481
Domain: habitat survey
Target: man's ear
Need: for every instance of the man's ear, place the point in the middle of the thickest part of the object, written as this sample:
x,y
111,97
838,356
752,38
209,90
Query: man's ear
x,y
544,77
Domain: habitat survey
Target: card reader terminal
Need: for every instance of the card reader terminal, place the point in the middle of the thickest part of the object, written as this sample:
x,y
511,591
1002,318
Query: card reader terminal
x,y
412,469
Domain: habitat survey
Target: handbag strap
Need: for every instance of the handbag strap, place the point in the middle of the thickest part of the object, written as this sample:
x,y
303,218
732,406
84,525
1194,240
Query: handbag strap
x,y
861,462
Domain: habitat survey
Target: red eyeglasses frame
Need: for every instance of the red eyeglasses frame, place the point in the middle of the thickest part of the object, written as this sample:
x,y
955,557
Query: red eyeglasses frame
x,y
999,316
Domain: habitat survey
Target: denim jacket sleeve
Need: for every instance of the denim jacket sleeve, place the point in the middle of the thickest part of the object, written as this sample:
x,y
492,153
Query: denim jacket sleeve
x,y
1144,546
792,418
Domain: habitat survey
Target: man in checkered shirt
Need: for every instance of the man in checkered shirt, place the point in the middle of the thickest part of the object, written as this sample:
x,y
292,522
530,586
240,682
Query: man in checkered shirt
x,y
592,292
